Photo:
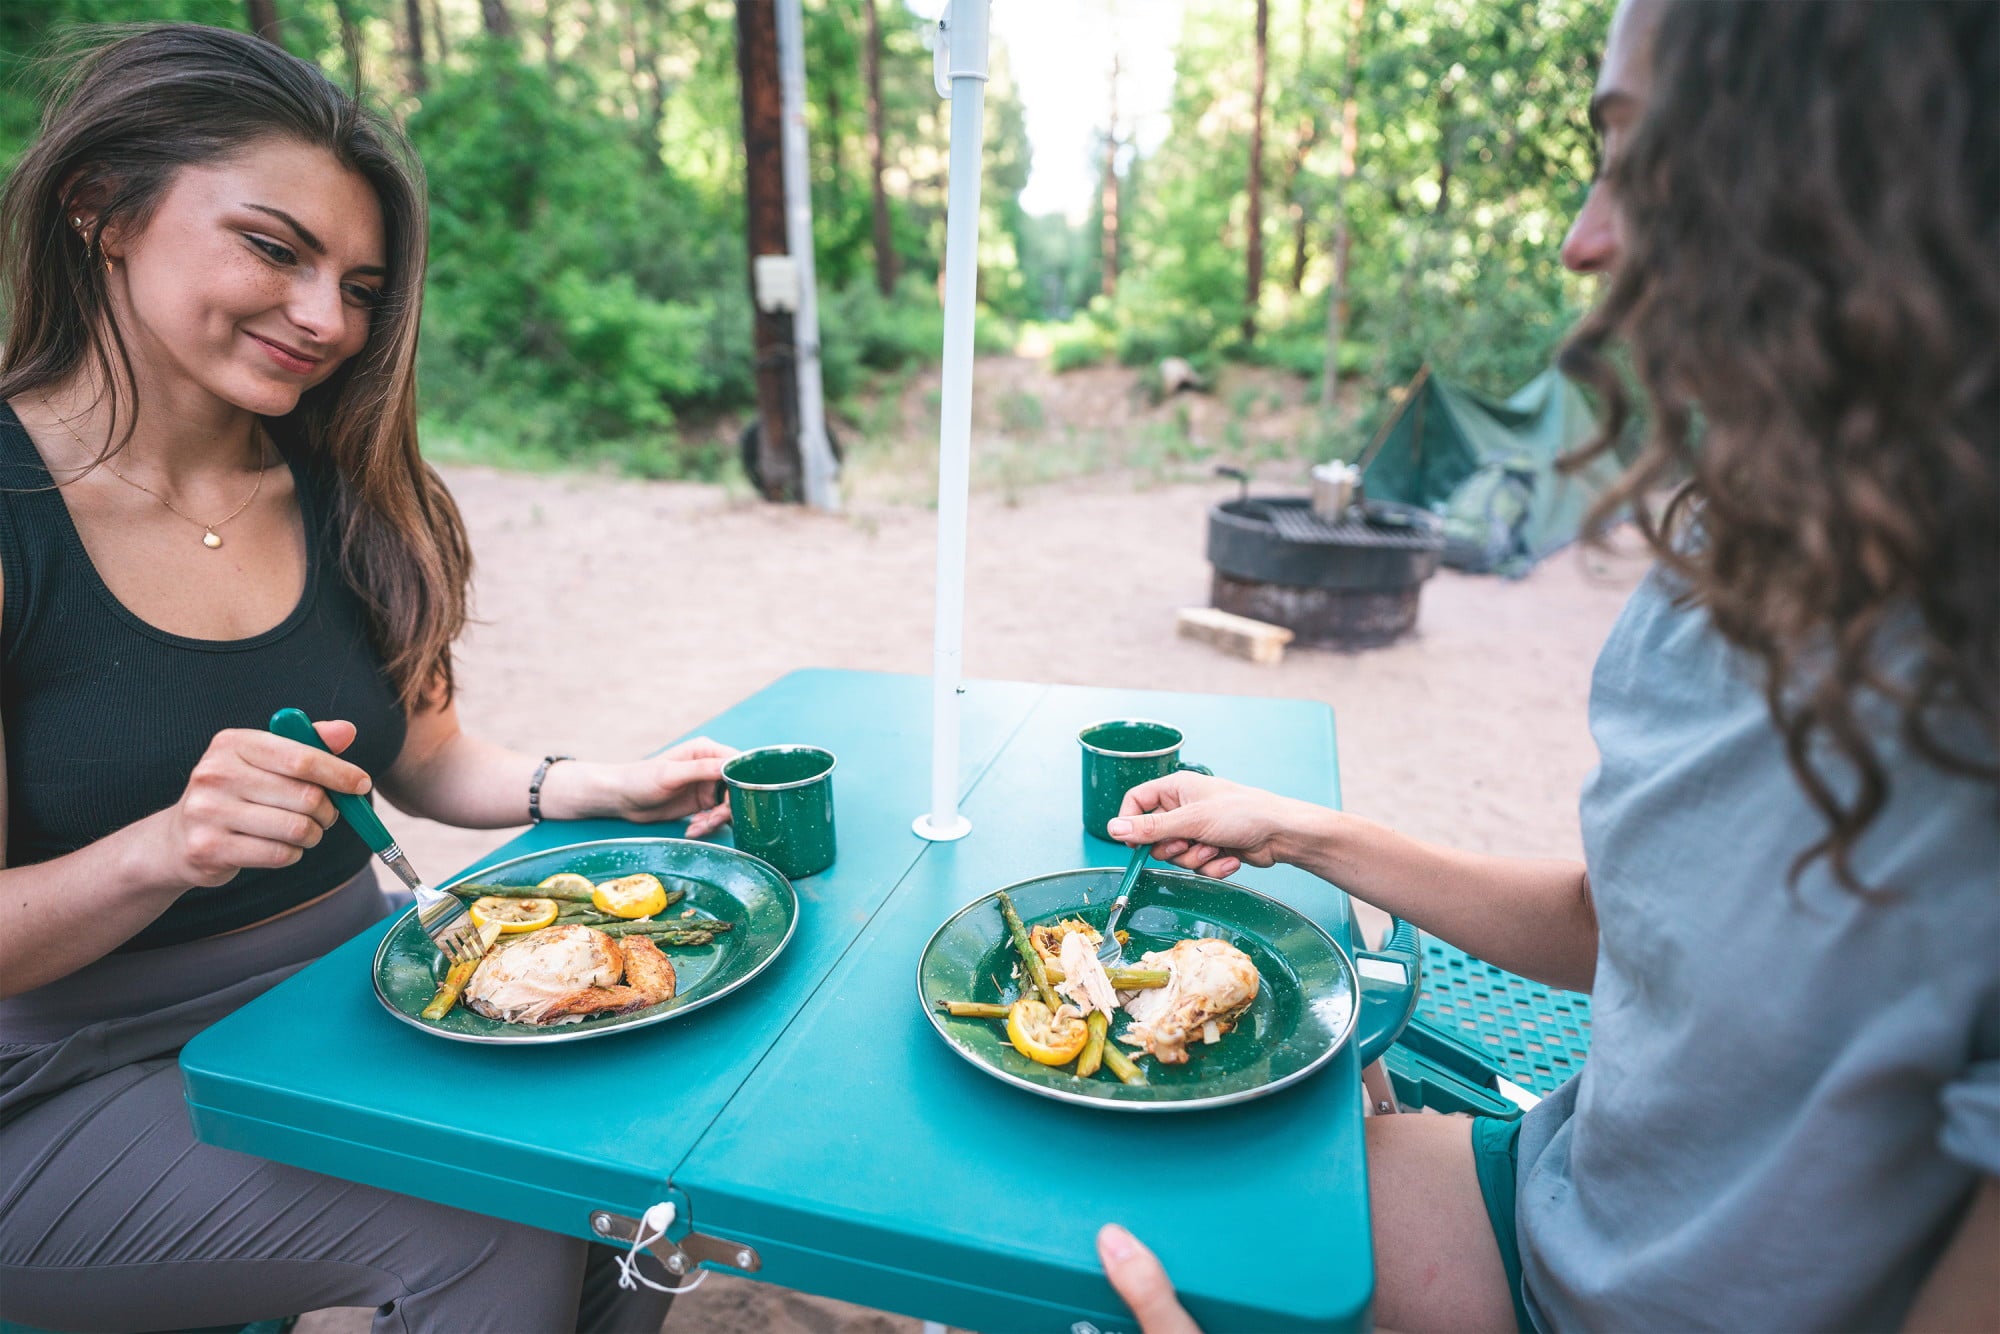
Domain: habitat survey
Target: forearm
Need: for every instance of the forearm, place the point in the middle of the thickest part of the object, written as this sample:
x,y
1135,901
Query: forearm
x,y
1531,916
475,784
56,916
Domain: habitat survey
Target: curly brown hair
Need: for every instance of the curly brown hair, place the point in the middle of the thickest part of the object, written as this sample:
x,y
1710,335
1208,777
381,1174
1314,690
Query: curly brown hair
x,y
1810,293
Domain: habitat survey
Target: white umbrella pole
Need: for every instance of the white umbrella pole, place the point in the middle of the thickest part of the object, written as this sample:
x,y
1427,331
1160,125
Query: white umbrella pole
x,y
821,473
960,68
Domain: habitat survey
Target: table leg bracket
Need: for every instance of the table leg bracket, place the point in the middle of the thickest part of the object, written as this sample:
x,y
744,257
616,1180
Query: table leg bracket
x,y
681,1255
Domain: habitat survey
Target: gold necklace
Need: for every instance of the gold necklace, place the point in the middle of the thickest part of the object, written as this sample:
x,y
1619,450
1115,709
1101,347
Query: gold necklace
x,y
209,537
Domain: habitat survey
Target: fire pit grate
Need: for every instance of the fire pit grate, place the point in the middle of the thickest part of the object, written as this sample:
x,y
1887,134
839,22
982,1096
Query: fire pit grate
x,y
1297,523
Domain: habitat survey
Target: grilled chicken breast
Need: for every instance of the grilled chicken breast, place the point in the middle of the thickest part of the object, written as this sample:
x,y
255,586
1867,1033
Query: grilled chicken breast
x,y
1210,984
562,974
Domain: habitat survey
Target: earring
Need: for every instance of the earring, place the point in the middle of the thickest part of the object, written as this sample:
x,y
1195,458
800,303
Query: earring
x,y
76,221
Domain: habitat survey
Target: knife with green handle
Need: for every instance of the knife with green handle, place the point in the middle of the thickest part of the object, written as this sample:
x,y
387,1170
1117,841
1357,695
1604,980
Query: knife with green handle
x,y
442,916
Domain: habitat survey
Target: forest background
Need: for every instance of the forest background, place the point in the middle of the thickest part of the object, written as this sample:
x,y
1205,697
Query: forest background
x,y
1345,189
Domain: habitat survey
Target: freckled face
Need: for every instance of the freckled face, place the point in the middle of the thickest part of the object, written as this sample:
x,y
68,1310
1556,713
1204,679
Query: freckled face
x,y
256,276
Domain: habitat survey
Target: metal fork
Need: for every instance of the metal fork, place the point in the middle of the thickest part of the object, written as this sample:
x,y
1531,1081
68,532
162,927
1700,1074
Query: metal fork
x,y
1110,951
442,916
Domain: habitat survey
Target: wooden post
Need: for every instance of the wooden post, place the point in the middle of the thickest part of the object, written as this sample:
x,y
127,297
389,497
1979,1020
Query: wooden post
x,y
780,472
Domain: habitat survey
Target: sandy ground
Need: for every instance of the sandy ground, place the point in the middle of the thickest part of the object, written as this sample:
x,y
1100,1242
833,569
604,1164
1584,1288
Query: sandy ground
x,y
1471,731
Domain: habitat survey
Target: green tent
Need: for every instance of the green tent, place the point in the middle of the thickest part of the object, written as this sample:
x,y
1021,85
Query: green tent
x,y
1488,466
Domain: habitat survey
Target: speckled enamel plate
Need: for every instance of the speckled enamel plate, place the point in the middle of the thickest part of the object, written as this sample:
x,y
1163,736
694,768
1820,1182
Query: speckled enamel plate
x,y
723,883
1306,1007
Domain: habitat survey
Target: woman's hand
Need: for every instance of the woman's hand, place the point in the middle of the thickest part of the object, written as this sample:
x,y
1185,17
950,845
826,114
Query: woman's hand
x,y
1139,1278
1210,825
681,782
254,800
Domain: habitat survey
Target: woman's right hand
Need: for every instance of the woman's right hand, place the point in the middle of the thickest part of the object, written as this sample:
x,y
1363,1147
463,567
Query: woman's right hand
x,y
1210,825
254,800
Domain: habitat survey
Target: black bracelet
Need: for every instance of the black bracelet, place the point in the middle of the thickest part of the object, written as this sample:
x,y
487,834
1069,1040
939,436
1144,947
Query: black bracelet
x,y
535,785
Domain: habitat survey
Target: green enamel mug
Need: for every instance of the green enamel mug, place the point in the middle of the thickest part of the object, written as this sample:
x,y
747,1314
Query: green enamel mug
x,y
1118,755
781,803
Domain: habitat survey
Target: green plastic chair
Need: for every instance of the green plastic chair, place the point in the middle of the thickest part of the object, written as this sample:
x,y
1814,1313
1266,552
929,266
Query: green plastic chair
x,y
1476,1024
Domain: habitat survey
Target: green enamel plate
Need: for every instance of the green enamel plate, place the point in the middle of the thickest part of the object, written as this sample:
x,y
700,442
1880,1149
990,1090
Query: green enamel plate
x,y
754,899
1306,1006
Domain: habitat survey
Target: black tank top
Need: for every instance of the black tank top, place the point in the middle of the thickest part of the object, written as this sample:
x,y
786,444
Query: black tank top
x,y
106,715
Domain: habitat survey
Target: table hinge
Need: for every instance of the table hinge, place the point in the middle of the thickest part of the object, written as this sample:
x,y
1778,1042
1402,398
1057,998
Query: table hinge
x,y
681,1255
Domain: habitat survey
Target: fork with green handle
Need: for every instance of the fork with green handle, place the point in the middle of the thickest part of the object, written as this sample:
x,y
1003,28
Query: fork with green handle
x,y
442,916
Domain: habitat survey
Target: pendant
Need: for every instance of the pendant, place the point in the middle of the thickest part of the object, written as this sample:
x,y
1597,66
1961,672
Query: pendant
x,y
210,540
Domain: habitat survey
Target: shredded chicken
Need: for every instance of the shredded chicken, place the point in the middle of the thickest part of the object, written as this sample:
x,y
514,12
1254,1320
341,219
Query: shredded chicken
x,y
564,974
1210,983
1084,982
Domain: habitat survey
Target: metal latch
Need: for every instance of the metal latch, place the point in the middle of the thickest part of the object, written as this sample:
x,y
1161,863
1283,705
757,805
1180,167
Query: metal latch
x,y
683,1256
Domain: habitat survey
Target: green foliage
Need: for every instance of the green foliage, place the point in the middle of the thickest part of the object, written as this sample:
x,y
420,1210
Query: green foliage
x,y
1084,341
588,294
559,307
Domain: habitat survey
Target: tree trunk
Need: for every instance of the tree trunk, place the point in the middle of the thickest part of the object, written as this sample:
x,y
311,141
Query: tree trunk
x,y
885,252
836,142
350,43
549,37
656,92
1107,200
1343,235
438,29
1253,272
263,16
493,16
1308,135
413,50
778,462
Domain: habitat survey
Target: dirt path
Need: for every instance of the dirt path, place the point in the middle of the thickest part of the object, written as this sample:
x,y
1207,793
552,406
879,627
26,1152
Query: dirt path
x,y
617,615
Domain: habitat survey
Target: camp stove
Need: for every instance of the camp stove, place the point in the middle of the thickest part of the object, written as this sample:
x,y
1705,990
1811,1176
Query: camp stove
x,y
1348,581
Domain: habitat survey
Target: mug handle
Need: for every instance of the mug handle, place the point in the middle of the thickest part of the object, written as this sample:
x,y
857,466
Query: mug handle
x,y
1201,769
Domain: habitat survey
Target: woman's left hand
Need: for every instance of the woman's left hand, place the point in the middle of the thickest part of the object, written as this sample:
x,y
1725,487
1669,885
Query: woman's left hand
x,y
681,782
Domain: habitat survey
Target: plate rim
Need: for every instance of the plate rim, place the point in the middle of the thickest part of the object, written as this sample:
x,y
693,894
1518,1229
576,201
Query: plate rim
x,y
1333,1049
579,1034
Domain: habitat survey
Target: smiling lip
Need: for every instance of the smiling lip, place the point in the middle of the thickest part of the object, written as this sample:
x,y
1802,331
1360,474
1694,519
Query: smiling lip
x,y
298,363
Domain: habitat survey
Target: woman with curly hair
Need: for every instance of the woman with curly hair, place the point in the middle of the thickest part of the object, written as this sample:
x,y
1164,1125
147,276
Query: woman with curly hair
x,y
1788,912
212,505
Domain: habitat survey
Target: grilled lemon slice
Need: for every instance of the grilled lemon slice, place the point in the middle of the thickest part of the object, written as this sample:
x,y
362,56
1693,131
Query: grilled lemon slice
x,y
513,916
638,895
1038,1035
568,885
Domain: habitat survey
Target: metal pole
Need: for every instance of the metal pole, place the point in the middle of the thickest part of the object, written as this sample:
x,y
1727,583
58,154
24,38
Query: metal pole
x,y
821,474
959,73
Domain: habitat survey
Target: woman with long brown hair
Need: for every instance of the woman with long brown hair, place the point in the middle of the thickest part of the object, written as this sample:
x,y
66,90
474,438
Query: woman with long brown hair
x,y
212,506
1788,912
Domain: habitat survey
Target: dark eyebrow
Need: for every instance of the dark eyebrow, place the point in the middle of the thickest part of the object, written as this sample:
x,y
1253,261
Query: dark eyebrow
x,y
1603,102
313,243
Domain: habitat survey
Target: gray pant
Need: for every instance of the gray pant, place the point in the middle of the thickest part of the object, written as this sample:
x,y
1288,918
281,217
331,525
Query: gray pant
x,y
113,1218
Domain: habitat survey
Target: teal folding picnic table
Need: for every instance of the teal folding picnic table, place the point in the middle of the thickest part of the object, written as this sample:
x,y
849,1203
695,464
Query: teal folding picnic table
x,y
811,1128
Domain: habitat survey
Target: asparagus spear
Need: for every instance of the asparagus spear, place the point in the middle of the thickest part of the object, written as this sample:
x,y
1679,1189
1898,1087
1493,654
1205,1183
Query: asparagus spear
x,y
454,986
973,1009
1121,1065
693,931
1122,979
521,892
1029,959
1092,1055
